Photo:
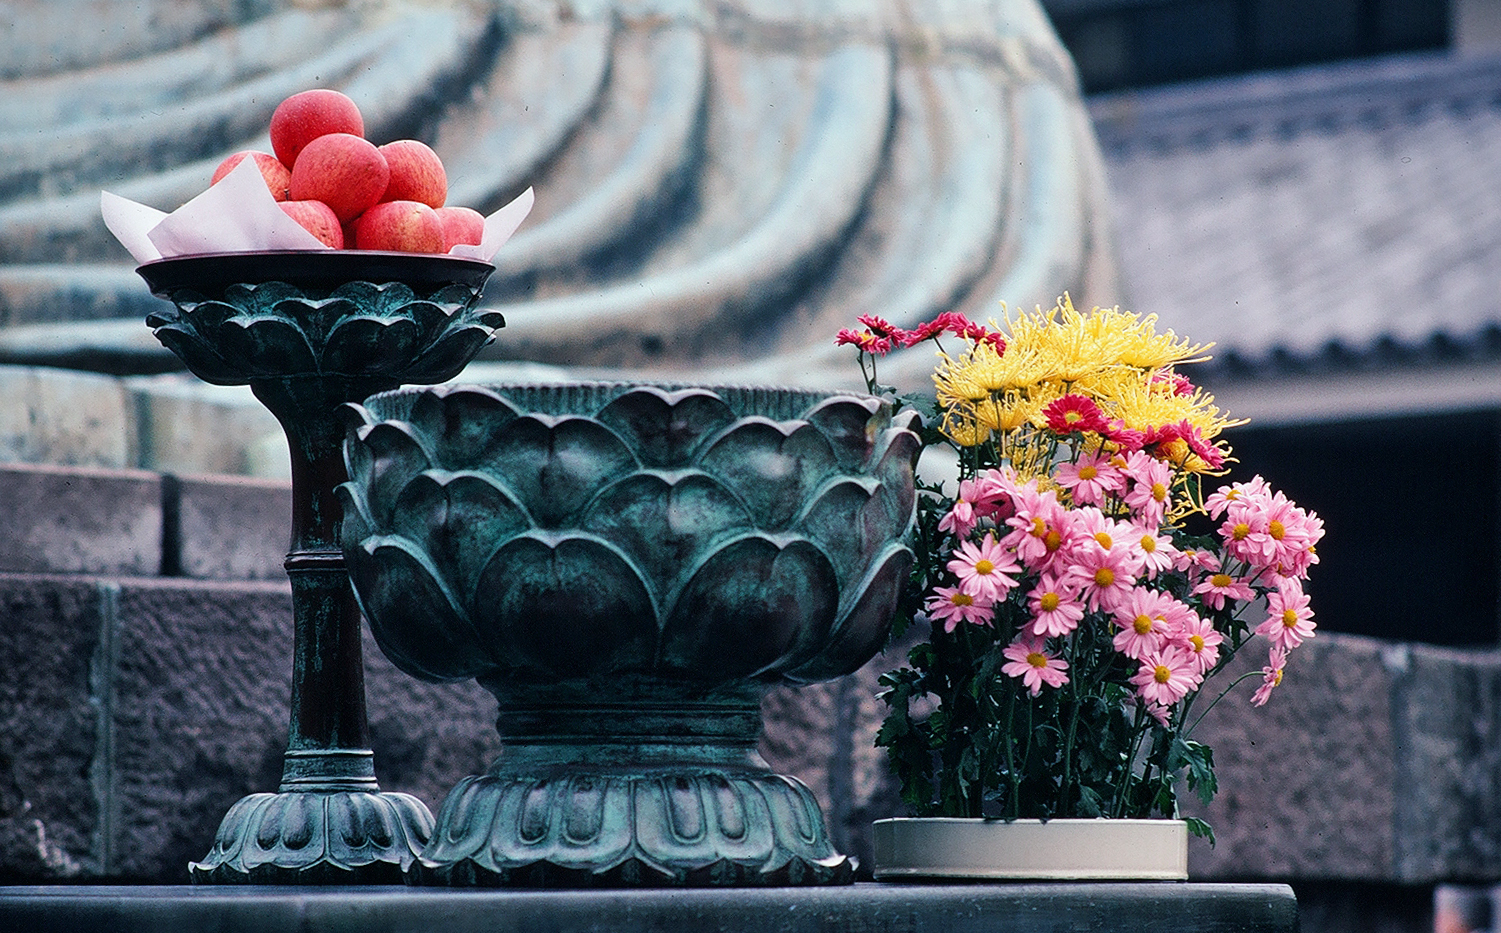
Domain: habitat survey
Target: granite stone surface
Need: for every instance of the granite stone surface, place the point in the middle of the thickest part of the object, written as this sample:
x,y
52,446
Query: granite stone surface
x,y
231,527
198,714
64,417
80,520
1120,907
52,825
1447,723
1307,782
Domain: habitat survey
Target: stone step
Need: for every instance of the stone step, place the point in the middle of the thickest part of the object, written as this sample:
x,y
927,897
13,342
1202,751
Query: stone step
x,y
933,908
70,519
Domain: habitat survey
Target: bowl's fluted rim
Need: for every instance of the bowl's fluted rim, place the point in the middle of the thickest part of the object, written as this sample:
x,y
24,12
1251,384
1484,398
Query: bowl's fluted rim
x,y
586,397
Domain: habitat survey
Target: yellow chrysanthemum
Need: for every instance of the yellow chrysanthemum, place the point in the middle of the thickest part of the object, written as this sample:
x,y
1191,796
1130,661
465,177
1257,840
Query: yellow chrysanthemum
x,y
983,370
962,429
1077,346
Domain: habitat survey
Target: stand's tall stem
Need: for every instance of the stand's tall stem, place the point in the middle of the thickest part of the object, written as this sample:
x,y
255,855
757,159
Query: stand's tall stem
x,y
329,737
328,772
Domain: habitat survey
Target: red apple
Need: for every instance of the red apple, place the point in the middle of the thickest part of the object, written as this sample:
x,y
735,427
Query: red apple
x,y
318,219
304,117
278,178
403,226
461,225
343,171
416,173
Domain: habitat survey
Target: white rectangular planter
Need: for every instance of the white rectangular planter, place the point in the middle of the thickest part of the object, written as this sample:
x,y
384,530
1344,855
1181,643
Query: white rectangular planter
x,y
1057,850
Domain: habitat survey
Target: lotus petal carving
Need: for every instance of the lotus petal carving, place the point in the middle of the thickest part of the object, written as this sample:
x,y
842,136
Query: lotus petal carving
x,y
317,838
563,607
699,829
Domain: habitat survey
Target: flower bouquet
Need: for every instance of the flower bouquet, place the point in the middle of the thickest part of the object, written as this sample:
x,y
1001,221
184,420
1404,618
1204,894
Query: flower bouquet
x,y
1080,588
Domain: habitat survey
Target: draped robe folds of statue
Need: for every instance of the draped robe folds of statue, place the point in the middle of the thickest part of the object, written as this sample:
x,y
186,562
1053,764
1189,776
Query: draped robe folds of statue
x,y
721,186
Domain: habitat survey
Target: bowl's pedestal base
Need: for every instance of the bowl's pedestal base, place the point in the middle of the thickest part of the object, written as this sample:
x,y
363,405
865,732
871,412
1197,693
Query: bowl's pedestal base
x,y
646,827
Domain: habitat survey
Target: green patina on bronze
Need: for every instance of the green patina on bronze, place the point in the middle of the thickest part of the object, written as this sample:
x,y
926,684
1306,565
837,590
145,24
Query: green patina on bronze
x,y
309,332
628,568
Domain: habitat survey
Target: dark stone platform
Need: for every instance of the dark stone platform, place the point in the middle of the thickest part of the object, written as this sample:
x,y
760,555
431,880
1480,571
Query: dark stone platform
x,y
861,908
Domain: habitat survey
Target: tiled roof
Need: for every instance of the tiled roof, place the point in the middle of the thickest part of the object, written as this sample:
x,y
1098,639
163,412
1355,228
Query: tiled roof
x,y
1344,216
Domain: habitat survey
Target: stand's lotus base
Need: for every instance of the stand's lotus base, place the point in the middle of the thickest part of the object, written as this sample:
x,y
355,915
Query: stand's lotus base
x,y
1123,907
643,827
316,837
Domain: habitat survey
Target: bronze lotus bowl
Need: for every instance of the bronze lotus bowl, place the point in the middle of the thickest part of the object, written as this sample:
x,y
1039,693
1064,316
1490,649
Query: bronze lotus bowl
x,y
628,568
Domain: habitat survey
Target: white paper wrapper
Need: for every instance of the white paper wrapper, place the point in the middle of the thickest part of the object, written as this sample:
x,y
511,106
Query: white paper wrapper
x,y
239,215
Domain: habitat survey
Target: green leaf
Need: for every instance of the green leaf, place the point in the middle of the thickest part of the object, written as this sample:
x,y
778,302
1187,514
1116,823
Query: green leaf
x,y
1200,828
1199,759
1091,804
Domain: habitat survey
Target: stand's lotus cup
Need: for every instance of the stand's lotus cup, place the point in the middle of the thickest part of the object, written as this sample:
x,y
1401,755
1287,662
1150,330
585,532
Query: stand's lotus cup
x,y
628,568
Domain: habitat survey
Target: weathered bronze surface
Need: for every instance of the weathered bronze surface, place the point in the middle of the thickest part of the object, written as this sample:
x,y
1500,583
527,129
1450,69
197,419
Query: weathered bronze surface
x,y
627,568
309,332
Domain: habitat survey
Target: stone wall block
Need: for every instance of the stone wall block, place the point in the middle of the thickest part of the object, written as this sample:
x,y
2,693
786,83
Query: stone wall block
x,y
824,735
188,426
80,520
1448,725
426,736
50,818
232,527
1306,782
66,417
199,713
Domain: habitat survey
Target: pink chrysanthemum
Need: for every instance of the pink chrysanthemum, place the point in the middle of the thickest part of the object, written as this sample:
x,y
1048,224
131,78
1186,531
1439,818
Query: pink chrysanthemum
x,y
1176,383
1105,577
865,340
1149,487
1056,607
994,493
1289,616
985,496
951,322
951,606
1094,529
1202,642
983,569
1127,439
882,328
1166,676
1222,498
1202,447
1157,552
1028,658
1163,714
1271,676
1143,619
1193,560
1219,585
1041,527
1090,479
960,519
1074,413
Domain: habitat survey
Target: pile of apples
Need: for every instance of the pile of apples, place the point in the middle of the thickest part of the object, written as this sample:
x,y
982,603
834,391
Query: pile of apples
x,y
351,193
